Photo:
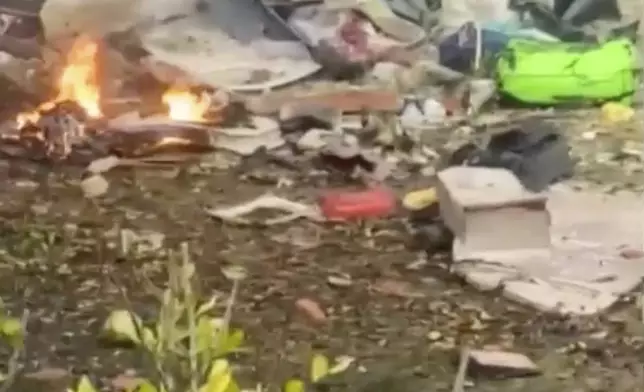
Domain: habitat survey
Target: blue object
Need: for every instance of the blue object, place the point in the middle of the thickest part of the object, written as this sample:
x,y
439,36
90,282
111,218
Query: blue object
x,y
458,51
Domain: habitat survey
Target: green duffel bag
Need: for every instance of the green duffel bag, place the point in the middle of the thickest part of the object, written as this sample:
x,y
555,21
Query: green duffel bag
x,y
550,73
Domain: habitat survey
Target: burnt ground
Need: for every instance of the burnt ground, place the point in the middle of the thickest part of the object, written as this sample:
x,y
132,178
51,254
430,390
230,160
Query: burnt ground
x,y
398,317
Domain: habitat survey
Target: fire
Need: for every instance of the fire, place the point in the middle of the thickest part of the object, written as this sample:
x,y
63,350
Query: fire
x,y
78,82
183,105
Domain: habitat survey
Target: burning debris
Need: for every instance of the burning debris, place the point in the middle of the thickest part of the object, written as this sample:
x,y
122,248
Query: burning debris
x,y
74,118
183,105
78,83
59,128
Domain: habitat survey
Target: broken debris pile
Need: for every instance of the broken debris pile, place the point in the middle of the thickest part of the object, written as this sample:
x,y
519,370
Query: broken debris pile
x,y
170,82
562,251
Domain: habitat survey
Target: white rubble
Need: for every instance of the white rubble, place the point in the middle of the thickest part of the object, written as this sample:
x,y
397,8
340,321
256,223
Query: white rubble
x,y
504,363
430,113
585,271
491,214
64,18
264,133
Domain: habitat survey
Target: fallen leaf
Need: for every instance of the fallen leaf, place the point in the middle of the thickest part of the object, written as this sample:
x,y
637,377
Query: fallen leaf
x,y
121,327
312,309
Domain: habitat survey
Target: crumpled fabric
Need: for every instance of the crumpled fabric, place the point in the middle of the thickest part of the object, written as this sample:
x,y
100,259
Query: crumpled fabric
x,y
347,32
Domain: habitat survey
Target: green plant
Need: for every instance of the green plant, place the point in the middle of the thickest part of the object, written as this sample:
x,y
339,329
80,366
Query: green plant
x,y
12,333
186,344
319,368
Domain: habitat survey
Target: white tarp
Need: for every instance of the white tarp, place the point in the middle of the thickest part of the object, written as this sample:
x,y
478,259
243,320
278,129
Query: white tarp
x,y
68,17
232,44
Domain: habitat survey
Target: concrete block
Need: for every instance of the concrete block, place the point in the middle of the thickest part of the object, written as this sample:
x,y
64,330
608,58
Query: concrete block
x,y
596,258
493,217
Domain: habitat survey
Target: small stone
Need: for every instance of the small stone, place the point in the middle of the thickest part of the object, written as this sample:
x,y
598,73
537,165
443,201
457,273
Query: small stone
x,y
589,135
434,111
386,71
94,186
26,184
312,309
103,165
339,281
314,139
397,288
434,336
40,209
125,382
412,116
501,364
428,171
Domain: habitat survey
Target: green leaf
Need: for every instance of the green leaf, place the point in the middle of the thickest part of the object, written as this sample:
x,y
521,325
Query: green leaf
x,y
319,367
144,386
219,378
219,384
205,334
208,306
218,367
122,326
149,340
10,327
233,386
294,385
85,385
188,270
229,342
11,330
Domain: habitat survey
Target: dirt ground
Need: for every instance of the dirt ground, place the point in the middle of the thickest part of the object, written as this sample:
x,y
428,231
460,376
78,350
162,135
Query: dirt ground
x,y
403,320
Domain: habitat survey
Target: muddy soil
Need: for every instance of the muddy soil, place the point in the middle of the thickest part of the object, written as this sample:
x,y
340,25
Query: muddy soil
x,y
402,319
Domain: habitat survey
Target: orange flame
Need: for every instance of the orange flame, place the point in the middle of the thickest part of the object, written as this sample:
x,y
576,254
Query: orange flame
x,y
78,82
186,106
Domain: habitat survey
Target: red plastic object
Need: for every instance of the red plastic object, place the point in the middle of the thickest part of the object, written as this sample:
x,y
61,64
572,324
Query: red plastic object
x,y
348,205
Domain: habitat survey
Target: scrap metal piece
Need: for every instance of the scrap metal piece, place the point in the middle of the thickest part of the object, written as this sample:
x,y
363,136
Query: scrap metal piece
x,y
145,138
